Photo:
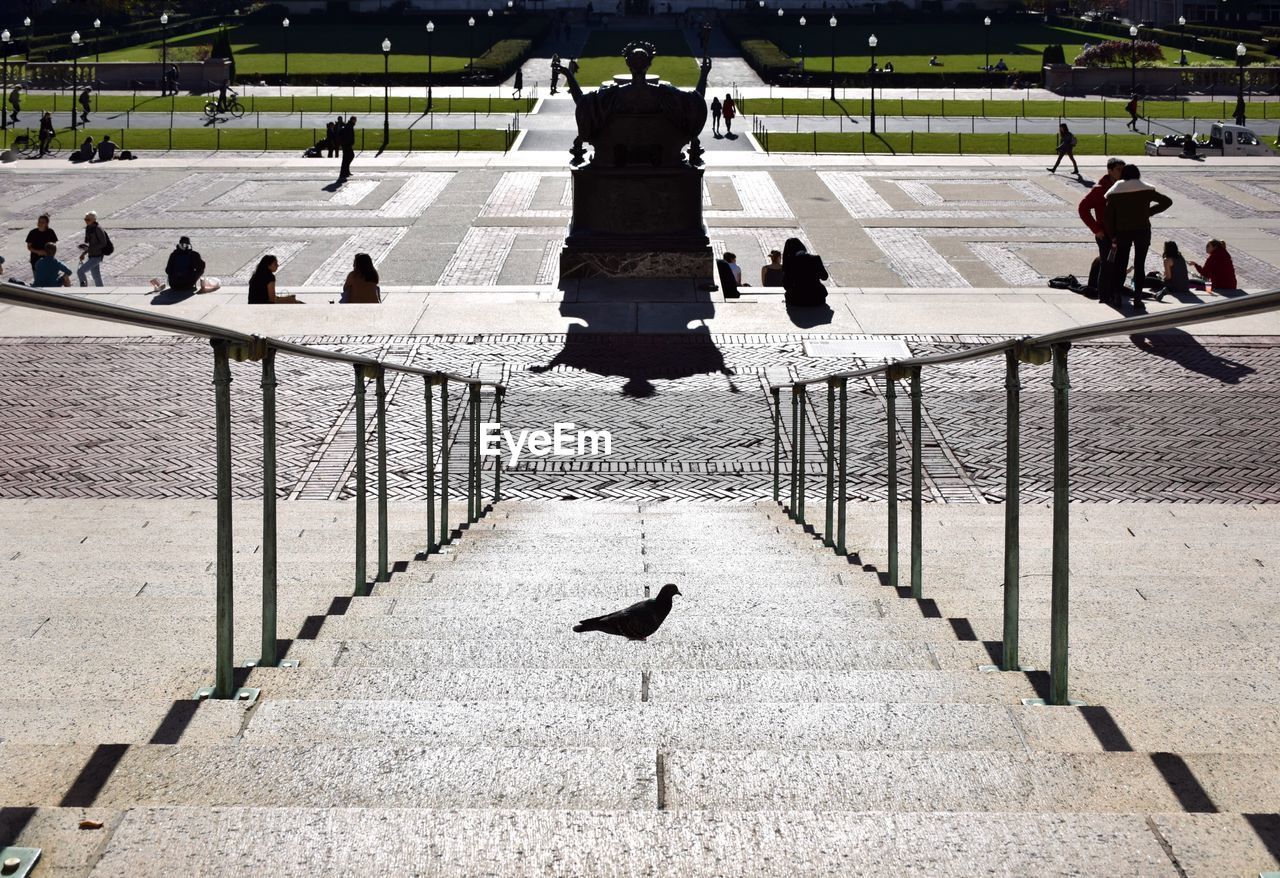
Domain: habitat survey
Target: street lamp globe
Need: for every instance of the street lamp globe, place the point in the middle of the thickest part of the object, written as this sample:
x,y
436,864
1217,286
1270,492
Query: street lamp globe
x,y
832,22
471,22
431,27
987,21
75,38
386,45
26,22
802,21
1240,50
1133,30
4,36
97,23
780,13
490,13
284,23
164,18
1182,21
872,41
762,4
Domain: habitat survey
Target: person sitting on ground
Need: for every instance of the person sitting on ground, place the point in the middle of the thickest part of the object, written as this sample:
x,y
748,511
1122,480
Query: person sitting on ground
x,y
771,274
1219,269
803,274
934,62
731,259
49,271
184,267
86,151
262,286
361,286
1001,66
106,148
1175,273
728,282
888,67
1189,146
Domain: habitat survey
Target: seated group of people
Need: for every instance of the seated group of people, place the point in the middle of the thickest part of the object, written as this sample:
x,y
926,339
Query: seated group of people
x,y
1218,272
104,151
799,273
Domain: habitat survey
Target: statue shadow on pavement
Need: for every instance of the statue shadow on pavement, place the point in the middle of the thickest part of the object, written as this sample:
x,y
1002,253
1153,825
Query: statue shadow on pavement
x,y
808,317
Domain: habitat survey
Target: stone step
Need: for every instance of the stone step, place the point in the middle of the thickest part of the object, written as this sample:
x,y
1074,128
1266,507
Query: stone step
x,y
300,842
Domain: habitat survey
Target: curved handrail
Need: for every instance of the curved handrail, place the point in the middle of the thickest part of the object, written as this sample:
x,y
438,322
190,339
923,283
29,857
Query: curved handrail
x,y
1203,313
49,300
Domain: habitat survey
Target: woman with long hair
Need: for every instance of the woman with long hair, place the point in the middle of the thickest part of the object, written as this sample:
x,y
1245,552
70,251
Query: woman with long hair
x,y
262,285
1066,147
803,274
1219,269
1175,272
361,285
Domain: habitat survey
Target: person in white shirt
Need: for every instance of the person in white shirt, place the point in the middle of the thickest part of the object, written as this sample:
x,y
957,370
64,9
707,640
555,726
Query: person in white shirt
x,y
732,260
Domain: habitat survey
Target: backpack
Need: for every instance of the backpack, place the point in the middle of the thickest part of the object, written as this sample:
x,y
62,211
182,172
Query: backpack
x,y
107,247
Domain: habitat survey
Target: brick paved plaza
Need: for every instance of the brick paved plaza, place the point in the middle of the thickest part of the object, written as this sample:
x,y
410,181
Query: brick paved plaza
x,y
797,714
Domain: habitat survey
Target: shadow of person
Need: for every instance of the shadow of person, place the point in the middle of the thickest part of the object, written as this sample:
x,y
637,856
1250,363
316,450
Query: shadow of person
x,y
171,297
334,186
731,136
1181,347
672,351
809,316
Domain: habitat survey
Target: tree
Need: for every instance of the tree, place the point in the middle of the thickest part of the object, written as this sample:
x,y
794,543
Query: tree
x,y
1120,53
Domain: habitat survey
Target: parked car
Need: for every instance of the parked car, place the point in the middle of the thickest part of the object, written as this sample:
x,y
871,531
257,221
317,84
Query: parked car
x,y
1223,140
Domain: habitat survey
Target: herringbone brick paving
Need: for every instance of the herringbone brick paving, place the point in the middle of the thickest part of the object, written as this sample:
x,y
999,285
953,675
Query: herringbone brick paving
x,y
1170,418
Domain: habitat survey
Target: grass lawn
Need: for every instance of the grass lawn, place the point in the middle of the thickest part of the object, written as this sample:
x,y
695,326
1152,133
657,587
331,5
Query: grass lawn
x,y
150,103
909,46
348,48
951,144
289,139
602,57
1069,109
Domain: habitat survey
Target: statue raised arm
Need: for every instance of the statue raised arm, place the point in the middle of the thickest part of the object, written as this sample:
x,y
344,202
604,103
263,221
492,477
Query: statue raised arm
x,y
570,80
701,87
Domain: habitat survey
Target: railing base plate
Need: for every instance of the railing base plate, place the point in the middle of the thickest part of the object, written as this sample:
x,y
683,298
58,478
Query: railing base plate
x,y
283,663
1040,702
18,862
245,695
991,669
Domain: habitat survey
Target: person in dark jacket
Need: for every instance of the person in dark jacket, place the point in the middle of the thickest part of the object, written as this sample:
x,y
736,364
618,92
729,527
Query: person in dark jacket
x,y
85,105
92,251
347,140
1090,209
1130,205
15,101
803,274
1219,269
184,268
46,133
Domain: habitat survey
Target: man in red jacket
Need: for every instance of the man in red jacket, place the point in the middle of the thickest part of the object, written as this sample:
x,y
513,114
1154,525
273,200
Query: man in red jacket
x,y
1091,210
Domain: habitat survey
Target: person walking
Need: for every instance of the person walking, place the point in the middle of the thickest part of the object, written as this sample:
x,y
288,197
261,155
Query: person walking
x,y
97,245
85,106
715,116
39,238
517,84
262,285
1091,209
347,140
1066,147
1132,109
730,109
46,133
15,104
1130,205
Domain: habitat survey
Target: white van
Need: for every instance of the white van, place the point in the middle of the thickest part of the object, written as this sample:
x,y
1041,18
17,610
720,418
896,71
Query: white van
x,y
1223,139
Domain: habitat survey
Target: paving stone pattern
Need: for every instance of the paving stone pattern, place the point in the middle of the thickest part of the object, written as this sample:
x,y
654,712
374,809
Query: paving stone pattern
x,y
1169,418
932,227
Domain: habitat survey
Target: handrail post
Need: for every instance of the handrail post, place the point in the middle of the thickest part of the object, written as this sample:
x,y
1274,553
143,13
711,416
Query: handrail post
x,y
1012,498
777,443
223,678
800,470
1061,529
270,655
384,566
444,461
429,389
890,402
795,452
841,498
361,522
497,461
831,464
917,472
473,454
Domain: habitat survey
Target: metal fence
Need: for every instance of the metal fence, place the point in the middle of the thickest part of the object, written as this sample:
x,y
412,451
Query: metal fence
x,y
1037,350
229,345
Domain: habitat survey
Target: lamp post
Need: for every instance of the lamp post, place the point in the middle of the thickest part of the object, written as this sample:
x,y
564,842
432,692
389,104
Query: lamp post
x,y
832,23
164,40
386,90
75,62
986,42
802,44
471,43
1240,62
4,90
1182,38
26,50
431,29
871,41
1133,59
285,24
97,25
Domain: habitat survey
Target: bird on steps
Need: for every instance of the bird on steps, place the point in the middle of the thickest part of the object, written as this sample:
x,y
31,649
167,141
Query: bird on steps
x,y
637,621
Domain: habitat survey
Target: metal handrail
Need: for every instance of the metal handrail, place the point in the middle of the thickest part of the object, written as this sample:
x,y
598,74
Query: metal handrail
x,y
1033,350
229,344
64,303
1190,315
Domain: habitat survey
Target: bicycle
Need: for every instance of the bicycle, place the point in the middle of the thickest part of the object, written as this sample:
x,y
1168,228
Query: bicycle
x,y
232,108
29,148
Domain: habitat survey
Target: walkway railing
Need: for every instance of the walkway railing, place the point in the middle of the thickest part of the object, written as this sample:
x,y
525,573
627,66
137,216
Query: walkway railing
x,y
231,345
1037,350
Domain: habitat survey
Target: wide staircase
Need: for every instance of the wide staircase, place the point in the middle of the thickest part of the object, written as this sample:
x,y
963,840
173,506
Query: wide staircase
x,y
795,714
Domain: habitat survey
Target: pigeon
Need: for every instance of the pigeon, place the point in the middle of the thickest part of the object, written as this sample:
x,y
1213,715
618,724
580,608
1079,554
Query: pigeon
x,y
637,621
